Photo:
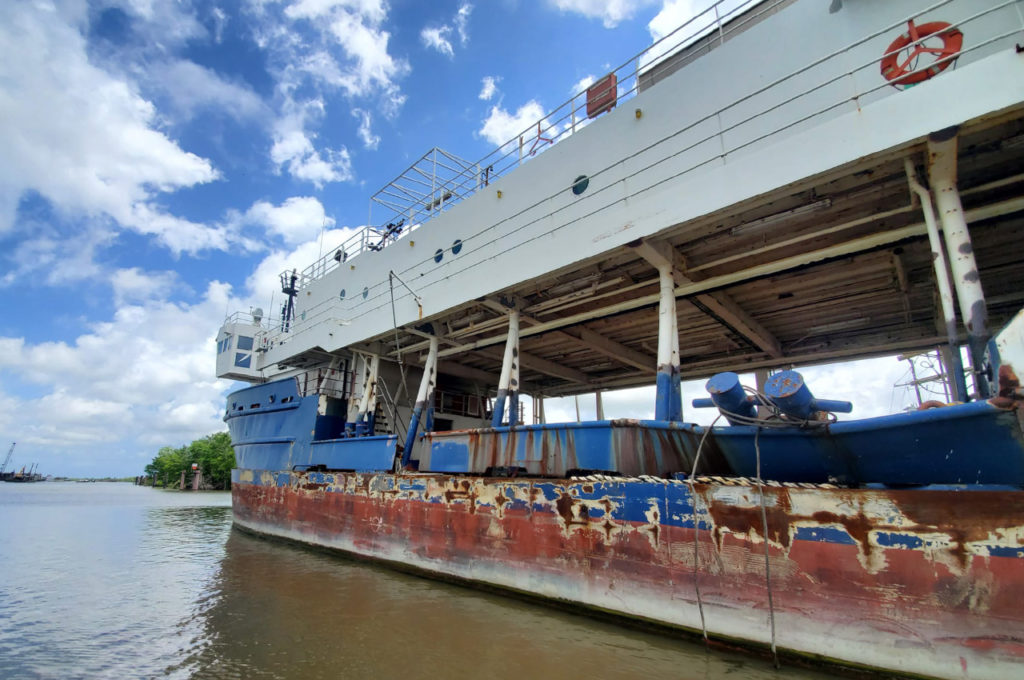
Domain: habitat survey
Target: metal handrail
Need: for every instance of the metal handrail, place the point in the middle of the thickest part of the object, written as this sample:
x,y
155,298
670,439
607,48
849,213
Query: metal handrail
x,y
561,122
723,129
504,154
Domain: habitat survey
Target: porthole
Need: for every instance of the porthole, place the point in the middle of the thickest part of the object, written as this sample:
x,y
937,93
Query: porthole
x,y
580,184
366,292
457,246
438,255
341,295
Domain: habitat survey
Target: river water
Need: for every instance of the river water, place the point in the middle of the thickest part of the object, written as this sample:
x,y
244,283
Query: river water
x,y
106,580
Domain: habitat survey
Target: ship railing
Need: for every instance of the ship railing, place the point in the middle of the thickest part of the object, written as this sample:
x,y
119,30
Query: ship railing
x,y
277,332
459,404
778,106
258,320
439,180
330,382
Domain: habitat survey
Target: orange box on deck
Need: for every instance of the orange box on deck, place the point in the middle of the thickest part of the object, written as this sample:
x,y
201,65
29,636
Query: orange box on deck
x,y
602,95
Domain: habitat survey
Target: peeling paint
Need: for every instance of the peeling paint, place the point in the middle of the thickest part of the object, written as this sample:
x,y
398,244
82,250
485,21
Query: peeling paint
x,y
853,572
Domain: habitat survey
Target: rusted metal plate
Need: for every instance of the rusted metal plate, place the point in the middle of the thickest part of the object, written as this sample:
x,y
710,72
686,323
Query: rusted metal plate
x,y
631,447
923,582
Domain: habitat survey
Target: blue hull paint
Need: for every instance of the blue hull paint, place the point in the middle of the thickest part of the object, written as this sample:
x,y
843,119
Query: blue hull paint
x,y
359,453
975,443
273,428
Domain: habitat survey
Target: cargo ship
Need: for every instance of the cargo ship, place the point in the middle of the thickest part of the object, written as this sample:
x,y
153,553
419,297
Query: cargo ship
x,y
774,185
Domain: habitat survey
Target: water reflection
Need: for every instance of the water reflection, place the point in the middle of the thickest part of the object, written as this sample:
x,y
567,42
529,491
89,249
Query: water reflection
x,y
95,578
114,581
285,612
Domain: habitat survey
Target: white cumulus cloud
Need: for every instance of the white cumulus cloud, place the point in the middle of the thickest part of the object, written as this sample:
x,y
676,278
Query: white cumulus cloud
x,y
500,126
81,137
293,148
365,131
192,88
297,220
582,84
439,37
610,12
488,87
364,66
136,285
110,390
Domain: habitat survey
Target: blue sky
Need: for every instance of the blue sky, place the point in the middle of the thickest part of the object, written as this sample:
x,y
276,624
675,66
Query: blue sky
x,y
164,160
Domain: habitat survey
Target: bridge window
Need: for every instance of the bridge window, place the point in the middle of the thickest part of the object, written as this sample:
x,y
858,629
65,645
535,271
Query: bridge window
x,y
244,343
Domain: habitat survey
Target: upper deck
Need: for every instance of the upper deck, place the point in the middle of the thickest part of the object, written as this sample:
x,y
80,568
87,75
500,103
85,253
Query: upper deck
x,y
767,151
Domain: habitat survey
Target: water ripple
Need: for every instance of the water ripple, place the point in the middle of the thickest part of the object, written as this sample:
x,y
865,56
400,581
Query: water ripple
x,y
115,581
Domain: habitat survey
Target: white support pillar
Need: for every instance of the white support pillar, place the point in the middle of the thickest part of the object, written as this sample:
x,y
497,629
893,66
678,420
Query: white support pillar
x,y
668,402
508,383
942,160
955,365
368,400
361,368
424,408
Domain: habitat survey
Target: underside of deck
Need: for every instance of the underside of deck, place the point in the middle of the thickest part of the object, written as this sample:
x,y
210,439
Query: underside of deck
x,y
835,268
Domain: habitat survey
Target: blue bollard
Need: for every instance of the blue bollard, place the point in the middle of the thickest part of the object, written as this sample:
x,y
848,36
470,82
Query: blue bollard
x,y
729,396
790,393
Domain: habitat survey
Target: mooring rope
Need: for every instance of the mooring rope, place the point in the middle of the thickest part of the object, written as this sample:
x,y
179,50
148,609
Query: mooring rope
x,y
398,344
767,565
696,532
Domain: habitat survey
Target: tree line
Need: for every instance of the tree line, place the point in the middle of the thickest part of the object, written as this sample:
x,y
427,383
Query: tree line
x,y
213,455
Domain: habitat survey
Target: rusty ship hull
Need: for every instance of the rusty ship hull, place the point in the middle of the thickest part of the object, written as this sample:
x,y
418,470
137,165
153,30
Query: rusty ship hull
x,y
922,582
704,211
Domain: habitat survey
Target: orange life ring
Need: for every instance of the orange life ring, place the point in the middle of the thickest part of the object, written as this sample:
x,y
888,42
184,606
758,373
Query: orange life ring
x,y
905,72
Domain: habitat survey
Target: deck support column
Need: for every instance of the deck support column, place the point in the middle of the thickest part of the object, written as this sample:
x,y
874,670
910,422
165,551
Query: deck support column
x,y
360,366
668,402
508,383
424,407
368,400
942,150
955,364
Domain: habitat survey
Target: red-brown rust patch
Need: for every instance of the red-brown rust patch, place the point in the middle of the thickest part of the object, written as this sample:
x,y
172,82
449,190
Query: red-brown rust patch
x,y
1008,381
748,520
608,527
564,505
744,520
964,517
588,488
857,526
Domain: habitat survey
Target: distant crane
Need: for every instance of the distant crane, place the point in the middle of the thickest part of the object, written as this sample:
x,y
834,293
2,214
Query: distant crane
x,y
7,460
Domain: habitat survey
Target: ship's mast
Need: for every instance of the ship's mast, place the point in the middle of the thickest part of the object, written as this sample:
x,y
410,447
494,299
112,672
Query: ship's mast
x,y
288,288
